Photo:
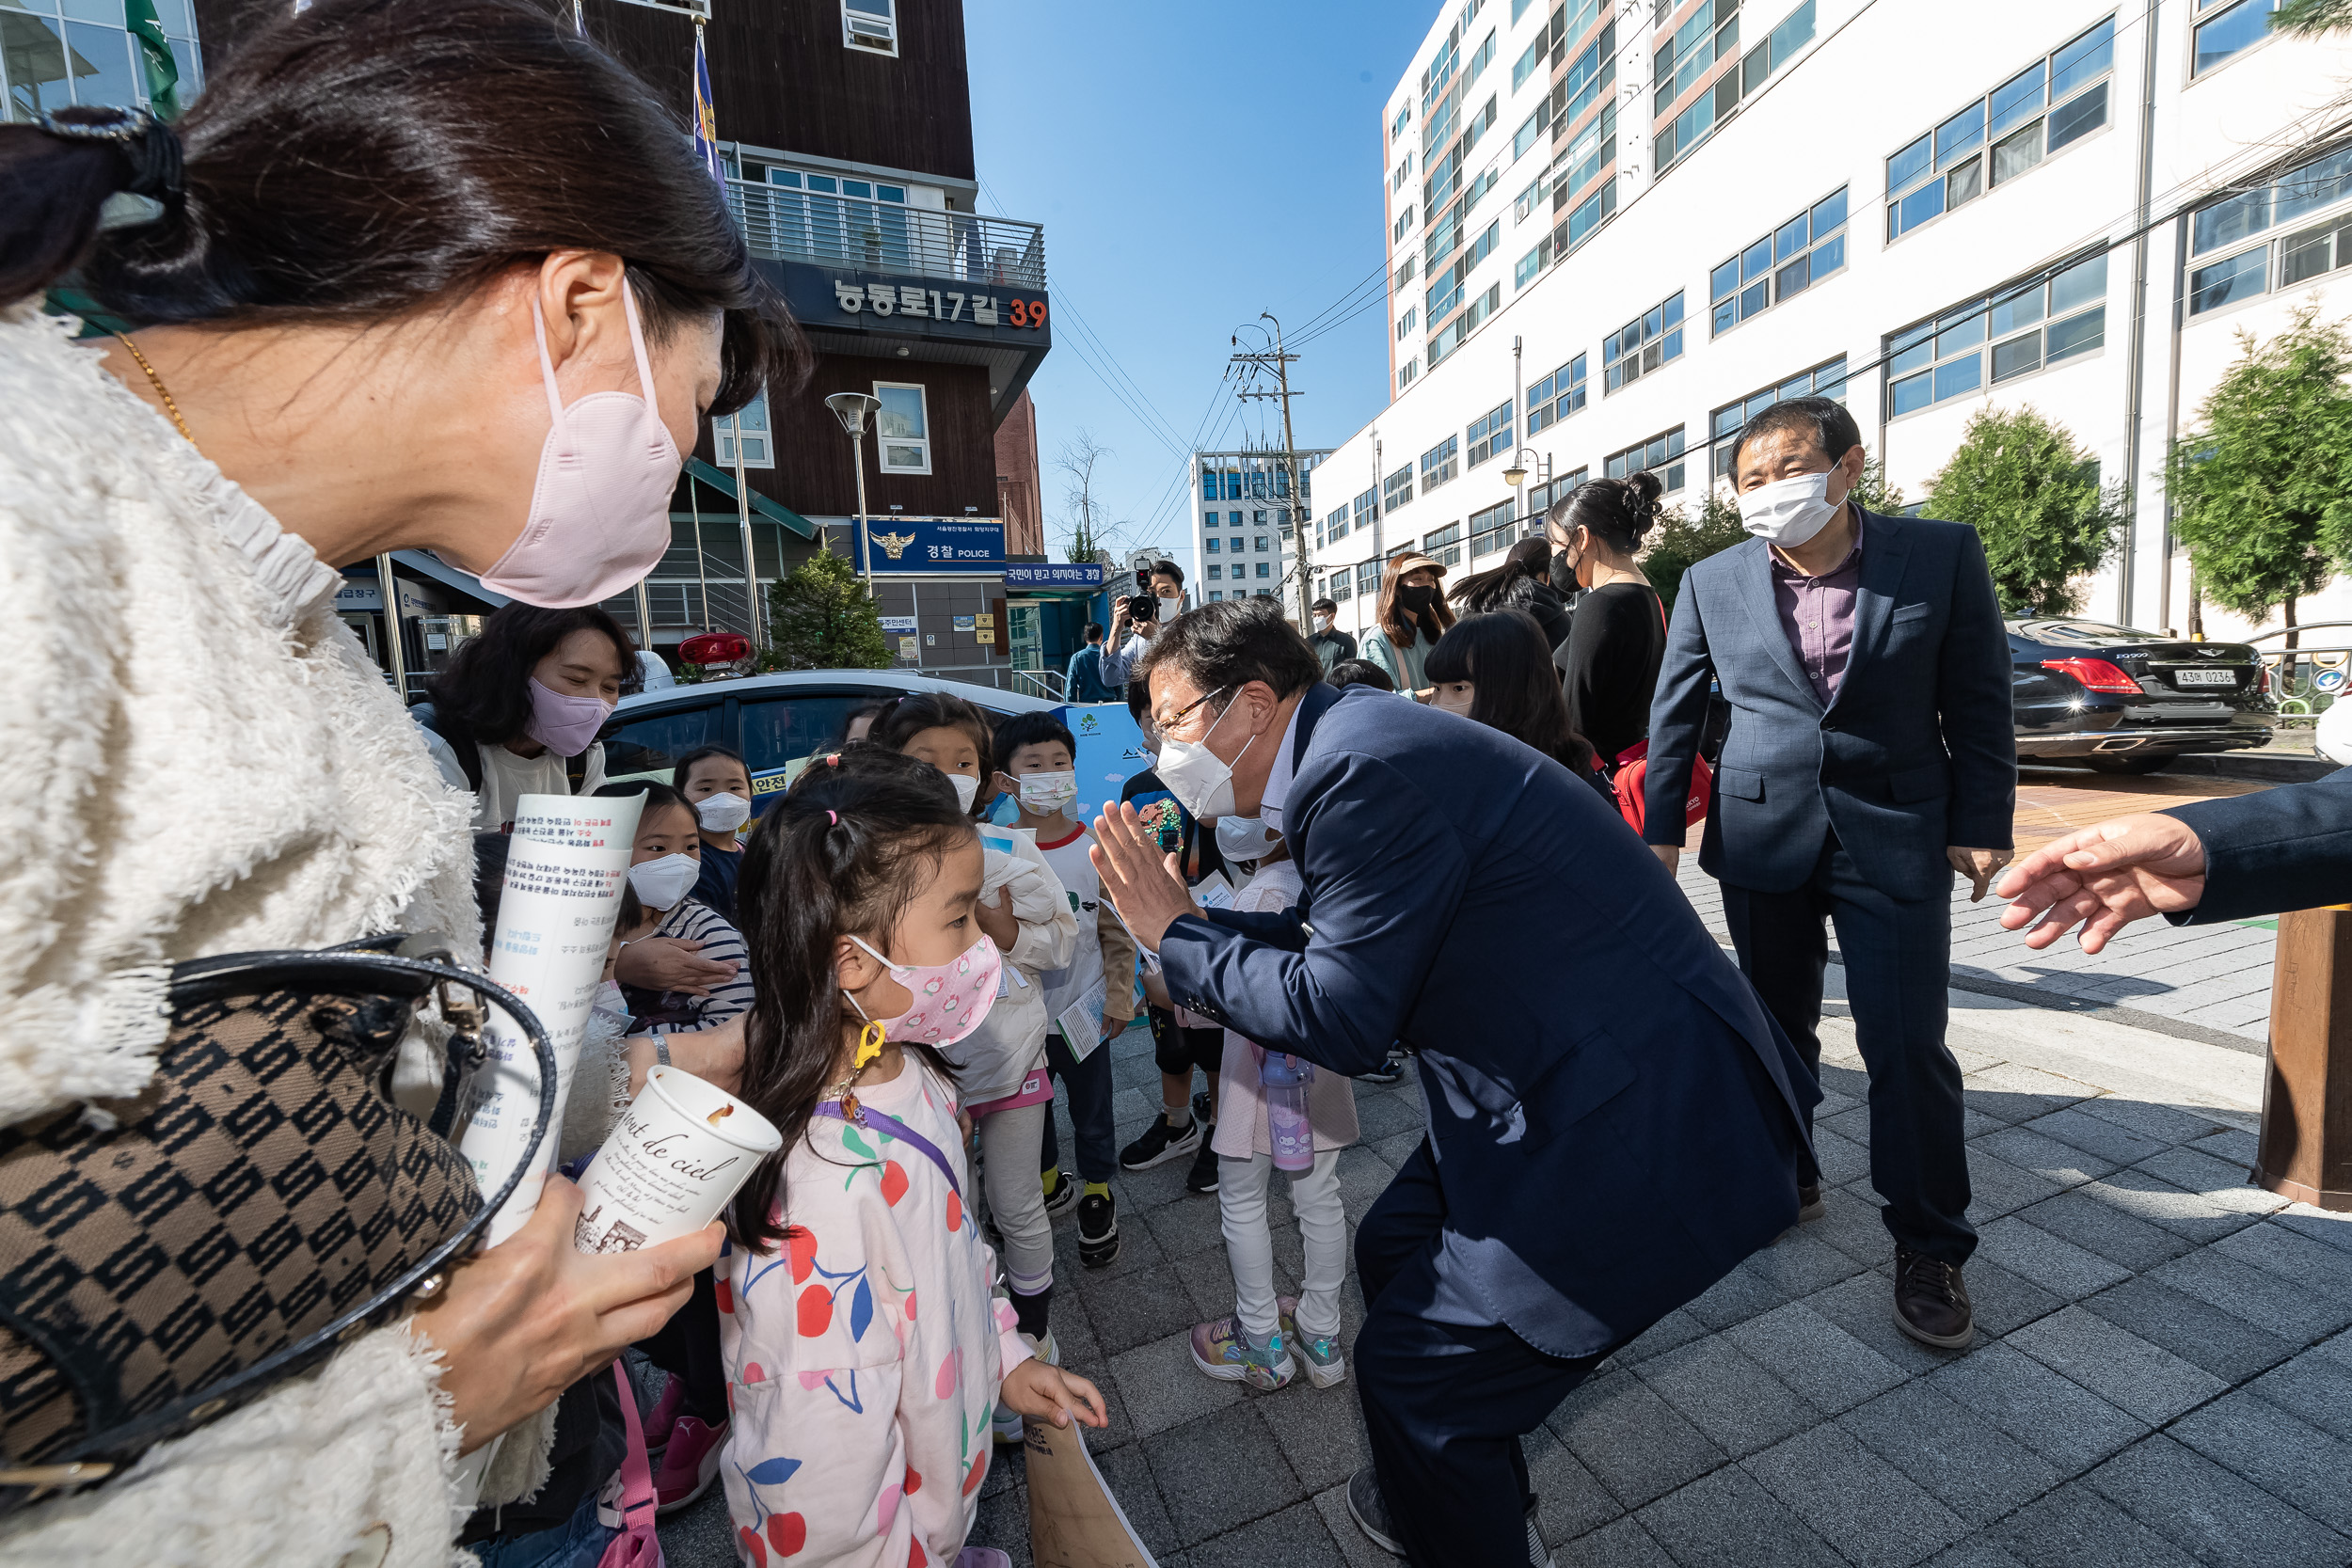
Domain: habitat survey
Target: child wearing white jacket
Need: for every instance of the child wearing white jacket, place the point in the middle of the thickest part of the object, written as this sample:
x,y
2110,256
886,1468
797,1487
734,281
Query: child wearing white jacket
x,y
1000,1067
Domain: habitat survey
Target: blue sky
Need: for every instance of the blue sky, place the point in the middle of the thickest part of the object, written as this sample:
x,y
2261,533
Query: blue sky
x,y
1194,165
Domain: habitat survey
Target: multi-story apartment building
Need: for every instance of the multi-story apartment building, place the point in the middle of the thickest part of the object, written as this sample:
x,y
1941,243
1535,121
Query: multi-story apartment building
x,y
1616,233
1245,533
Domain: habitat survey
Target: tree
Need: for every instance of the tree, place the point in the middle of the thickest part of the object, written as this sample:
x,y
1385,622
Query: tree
x,y
2034,497
2311,18
1873,493
1079,457
1683,541
2262,493
822,618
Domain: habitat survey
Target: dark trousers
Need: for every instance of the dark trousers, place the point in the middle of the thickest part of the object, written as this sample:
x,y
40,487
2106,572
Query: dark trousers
x,y
1176,1050
1088,1087
687,1348
1447,1392
1899,960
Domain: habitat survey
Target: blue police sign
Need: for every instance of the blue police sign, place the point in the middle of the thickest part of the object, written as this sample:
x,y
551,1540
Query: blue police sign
x,y
911,544
1067,573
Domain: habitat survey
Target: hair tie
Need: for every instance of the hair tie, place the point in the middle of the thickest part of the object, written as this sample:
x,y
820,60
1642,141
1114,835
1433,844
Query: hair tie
x,y
833,759
147,143
835,817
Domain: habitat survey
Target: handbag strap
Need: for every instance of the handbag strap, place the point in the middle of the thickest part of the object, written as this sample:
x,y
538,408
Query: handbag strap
x,y
867,1117
637,1544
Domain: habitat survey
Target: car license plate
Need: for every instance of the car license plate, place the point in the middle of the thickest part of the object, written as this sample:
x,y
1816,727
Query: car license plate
x,y
2204,678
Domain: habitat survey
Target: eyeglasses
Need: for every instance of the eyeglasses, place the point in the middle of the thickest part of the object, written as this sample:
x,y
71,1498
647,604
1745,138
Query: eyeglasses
x,y
1178,717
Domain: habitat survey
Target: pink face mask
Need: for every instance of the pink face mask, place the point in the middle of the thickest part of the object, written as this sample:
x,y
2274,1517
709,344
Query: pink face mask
x,y
950,999
565,724
600,512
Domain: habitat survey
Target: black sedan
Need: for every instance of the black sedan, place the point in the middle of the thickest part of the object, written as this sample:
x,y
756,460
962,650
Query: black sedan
x,y
2129,702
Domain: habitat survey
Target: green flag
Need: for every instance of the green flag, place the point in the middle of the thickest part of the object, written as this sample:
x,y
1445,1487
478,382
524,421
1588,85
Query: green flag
x,y
159,70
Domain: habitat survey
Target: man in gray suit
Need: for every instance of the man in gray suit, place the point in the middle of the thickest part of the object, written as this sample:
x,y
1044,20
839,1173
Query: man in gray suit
x,y
1870,756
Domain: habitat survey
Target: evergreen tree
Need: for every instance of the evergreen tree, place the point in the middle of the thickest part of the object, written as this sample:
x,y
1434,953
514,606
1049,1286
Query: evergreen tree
x,y
822,618
2262,493
2035,500
1874,494
2311,17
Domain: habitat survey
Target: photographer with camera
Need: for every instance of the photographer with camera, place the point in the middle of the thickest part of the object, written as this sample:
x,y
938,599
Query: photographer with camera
x,y
1141,614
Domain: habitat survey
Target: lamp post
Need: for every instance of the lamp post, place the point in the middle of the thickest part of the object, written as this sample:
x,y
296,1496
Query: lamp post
x,y
853,410
1516,475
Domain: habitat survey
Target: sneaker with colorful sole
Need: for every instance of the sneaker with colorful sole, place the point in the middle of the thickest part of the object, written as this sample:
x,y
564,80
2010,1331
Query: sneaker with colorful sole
x,y
1223,1352
1325,1362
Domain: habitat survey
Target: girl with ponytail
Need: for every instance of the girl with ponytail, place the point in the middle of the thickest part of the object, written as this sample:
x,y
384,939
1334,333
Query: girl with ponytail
x,y
1618,636
409,274
865,1345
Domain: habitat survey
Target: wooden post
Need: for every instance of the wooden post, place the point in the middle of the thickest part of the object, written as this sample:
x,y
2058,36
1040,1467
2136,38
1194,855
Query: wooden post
x,y
2306,1150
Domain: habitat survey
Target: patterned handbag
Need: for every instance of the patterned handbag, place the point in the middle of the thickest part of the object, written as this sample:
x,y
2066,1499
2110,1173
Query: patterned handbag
x,y
263,1201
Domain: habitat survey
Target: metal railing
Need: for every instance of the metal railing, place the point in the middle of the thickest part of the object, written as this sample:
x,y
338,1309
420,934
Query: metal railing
x,y
1040,683
2297,694
787,225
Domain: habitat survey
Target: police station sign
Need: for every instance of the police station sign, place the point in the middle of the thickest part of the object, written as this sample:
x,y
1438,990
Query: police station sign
x,y
965,545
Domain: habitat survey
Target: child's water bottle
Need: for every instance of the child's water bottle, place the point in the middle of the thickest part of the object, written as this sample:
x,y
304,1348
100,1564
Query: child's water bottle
x,y
1291,1136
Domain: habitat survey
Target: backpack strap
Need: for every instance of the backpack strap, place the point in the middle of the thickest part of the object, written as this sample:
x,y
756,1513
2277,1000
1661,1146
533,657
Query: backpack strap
x,y
463,748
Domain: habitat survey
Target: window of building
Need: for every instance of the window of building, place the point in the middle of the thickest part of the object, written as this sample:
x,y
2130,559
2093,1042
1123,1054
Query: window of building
x,y
1542,498
1403,221
1452,335
51,64
1724,424
1209,544
1339,586
1532,129
1406,372
1531,265
1594,149
2004,133
1446,290
1489,434
1587,77
1438,465
1368,578
1444,546
1556,396
904,429
1406,323
748,424
1645,344
1396,489
1237,545
2228,30
871,25
1263,539
1215,569
1217,595
1265,568
2026,330
1780,265
1404,273
1404,118
1711,34
1492,529
1257,519
1703,50
2306,250
1588,215
1530,61
1660,454
1367,508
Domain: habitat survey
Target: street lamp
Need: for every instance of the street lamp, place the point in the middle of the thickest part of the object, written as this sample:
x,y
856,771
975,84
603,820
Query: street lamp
x,y
1516,475
853,410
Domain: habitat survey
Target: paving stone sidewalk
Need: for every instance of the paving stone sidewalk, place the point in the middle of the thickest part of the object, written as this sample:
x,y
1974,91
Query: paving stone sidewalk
x,y
2207,982
2163,1373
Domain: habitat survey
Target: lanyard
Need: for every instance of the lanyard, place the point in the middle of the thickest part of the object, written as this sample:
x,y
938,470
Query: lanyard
x,y
869,1117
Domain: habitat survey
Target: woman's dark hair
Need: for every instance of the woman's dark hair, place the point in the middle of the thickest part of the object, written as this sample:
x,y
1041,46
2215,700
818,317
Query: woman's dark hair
x,y
659,796
1529,559
685,769
484,694
632,909
1505,656
364,158
1617,511
1358,671
1403,629
909,716
843,853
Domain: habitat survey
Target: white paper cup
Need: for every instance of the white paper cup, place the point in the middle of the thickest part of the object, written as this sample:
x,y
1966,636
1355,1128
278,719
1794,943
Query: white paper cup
x,y
668,1167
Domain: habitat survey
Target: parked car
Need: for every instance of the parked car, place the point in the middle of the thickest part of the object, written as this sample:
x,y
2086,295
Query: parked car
x,y
2124,701
777,721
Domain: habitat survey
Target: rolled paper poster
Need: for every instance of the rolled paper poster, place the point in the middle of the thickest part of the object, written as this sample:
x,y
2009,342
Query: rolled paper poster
x,y
566,867
682,1150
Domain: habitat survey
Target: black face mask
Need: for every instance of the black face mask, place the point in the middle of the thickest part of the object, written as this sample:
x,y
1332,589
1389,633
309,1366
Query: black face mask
x,y
1563,572
1415,600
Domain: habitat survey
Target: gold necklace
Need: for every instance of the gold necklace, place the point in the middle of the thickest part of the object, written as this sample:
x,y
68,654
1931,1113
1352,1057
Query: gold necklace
x,y
161,390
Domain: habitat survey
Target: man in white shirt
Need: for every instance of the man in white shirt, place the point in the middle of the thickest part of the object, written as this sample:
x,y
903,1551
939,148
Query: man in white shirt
x,y
1119,659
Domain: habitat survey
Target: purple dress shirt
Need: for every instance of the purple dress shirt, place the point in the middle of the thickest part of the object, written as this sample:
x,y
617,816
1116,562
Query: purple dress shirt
x,y
1817,614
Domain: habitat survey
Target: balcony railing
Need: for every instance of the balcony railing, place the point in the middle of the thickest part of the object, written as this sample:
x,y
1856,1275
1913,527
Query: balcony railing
x,y
787,225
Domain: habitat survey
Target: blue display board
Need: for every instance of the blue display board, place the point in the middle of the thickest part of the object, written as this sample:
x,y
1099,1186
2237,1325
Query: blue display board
x,y
1110,751
909,545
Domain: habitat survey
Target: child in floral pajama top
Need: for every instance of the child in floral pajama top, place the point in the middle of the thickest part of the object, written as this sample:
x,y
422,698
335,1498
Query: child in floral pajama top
x,y
865,1342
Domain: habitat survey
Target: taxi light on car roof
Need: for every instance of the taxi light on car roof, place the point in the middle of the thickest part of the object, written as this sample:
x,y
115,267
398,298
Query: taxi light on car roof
x,y
2096,675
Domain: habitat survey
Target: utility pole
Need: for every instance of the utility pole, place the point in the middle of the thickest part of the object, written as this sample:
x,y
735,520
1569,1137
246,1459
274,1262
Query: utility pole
x,y
1281,362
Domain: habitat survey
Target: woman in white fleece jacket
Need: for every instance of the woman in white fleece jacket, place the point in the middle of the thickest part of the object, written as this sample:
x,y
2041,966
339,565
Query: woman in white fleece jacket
x,y
302,386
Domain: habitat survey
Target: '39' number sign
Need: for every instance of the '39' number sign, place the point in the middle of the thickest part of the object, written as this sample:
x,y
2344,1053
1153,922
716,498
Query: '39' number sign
x,y
884,299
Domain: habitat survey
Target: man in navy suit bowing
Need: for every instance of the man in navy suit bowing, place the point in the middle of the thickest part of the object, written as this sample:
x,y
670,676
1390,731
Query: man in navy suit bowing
x,y
1613,1120
1870,756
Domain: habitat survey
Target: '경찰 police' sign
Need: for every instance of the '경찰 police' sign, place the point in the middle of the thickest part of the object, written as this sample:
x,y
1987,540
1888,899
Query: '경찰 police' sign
x,y
962,545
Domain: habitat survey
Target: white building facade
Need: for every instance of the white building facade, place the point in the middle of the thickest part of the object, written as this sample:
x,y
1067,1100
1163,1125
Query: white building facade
x,y
1244,531
1653,222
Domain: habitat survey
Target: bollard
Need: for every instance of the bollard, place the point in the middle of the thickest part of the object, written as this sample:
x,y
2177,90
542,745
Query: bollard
x,y
2306,1148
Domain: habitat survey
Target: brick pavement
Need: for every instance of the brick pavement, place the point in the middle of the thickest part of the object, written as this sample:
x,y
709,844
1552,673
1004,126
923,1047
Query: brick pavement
x,y
2163,1373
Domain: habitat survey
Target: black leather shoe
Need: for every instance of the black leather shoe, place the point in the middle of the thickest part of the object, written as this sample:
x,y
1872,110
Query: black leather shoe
x,y
1809,1204
1370,1511
1932,1300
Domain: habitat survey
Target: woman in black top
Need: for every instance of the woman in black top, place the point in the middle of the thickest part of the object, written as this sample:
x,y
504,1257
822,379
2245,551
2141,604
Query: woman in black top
x,y
1619,634
1524,582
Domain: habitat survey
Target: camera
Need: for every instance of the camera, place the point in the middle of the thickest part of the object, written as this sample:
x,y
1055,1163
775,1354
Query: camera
x,y
1142,606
